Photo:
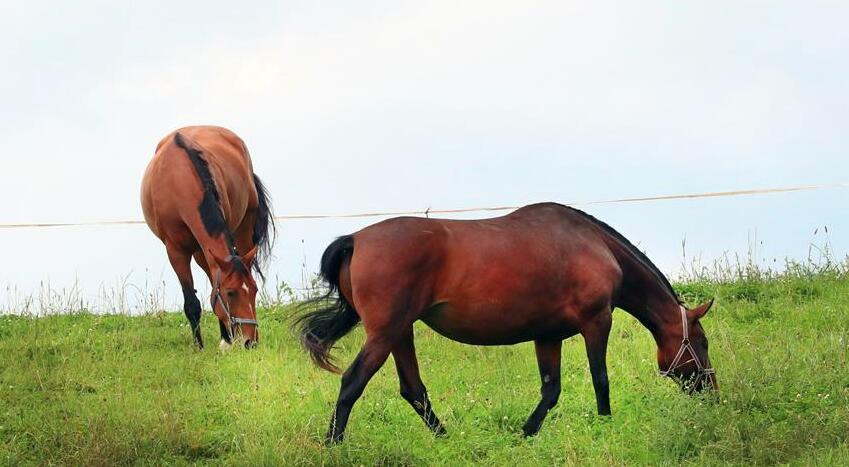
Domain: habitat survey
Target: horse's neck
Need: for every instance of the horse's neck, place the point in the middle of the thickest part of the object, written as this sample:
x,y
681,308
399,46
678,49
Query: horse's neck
x,y
643,296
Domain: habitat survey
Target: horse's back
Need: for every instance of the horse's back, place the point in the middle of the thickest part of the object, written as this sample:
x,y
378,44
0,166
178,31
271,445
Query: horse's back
x,y
535,233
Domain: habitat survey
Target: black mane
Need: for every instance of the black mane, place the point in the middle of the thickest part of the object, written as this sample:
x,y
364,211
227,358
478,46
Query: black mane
x,y
238,264
210,206
641,257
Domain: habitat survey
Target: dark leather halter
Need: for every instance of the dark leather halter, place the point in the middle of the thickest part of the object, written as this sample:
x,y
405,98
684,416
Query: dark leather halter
x,y
686,346
232,320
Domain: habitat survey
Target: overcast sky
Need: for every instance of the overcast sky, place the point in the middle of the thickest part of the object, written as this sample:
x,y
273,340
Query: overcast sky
x,y
362,106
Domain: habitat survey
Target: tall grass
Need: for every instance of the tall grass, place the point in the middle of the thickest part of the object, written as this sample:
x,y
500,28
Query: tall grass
x,y
124,297
734,267
121,297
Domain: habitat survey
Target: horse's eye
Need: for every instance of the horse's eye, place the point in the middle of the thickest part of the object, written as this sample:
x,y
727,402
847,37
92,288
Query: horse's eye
x,y
231,293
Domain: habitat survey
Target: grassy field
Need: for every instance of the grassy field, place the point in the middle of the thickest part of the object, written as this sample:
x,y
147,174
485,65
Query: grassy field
x,y
105,390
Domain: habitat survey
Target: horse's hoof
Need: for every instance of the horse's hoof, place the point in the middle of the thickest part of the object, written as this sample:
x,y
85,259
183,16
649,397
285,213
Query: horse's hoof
x,y
331,440
528,432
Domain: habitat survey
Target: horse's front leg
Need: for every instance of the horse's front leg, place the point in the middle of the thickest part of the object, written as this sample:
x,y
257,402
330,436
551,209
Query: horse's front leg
x,y
595,335
225,341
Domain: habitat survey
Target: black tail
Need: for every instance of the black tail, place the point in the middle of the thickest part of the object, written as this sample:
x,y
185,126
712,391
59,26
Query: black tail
x,y
264,229
320,329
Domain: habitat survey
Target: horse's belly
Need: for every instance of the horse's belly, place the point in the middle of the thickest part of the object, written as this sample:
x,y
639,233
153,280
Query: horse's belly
x,y
496,326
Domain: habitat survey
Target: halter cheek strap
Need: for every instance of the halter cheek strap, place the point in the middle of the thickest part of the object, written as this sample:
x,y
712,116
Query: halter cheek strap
x,y
225,305
686,346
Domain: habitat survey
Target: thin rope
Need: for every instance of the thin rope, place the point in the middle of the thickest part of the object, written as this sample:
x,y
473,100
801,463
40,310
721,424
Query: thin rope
x,y
712,194
68,224
427,212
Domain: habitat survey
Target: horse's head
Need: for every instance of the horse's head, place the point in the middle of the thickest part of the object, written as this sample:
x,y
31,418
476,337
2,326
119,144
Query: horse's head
x,y
683,351
234,296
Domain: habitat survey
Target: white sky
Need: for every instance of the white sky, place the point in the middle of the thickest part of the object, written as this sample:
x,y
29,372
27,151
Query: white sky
x,y
361,106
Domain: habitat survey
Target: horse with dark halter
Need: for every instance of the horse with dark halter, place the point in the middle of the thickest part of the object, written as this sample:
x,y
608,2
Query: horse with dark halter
x,y
542,273
201,197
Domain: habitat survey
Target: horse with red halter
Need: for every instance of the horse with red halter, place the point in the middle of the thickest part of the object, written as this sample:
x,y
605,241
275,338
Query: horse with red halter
x,y
542,273
201,197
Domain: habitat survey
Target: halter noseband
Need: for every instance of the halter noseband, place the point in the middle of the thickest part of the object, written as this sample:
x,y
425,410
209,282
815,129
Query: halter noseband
x,y
232,320
701,371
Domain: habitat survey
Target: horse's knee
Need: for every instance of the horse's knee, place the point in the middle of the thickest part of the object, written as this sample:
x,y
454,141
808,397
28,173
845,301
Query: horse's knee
x,y
600,378
550,390
191,304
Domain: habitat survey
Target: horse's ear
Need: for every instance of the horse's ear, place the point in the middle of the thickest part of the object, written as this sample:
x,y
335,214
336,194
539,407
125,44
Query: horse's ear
x,y
249,257
222,263
700,311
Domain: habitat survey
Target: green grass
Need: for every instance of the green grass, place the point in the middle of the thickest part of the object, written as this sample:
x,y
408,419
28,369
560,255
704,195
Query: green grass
x,y
105,390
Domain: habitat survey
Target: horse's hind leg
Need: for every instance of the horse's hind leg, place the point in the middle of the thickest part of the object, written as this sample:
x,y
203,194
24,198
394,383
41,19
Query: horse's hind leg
x,y
180,261
412,388
372,356
548,361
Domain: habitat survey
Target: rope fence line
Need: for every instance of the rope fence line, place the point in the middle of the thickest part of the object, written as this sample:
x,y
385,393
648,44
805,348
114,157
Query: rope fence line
x,y
428,212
